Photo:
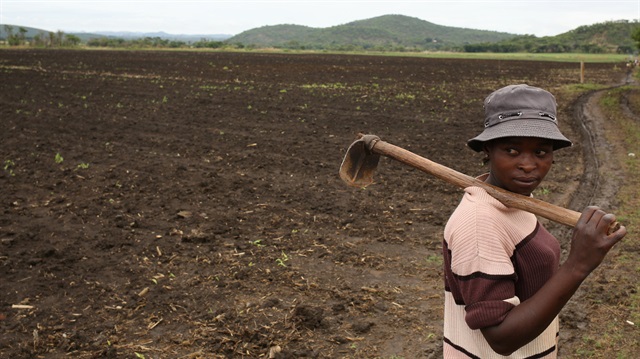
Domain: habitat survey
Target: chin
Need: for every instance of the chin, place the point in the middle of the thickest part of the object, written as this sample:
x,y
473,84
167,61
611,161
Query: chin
x,y
524,192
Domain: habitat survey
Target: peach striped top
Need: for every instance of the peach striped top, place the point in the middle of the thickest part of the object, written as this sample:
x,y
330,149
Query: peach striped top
x,y
495,258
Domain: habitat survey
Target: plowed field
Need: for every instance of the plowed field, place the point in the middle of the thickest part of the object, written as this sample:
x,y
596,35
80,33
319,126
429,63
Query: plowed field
x,y
187,204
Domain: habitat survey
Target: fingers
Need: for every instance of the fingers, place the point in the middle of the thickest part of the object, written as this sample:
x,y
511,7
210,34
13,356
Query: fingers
x,y
588,215
591,241
603,222
616,231
607,223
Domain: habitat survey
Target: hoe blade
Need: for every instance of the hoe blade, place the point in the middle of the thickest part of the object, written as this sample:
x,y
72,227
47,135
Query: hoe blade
x,y
359,163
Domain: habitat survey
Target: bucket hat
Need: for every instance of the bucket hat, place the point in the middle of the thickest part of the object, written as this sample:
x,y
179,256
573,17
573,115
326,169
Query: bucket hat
x,y
520,111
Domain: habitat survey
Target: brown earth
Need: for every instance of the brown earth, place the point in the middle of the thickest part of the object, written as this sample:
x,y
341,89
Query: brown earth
x,y
194,209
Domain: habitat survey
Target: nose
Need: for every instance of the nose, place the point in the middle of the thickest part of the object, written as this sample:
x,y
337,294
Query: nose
x,y
527,163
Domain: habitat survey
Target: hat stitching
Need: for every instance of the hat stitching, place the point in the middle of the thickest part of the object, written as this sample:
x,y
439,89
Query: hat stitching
x,y
504,117
544,114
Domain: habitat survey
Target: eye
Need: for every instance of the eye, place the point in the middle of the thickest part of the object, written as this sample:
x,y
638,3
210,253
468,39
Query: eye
x,y
512,151
543,152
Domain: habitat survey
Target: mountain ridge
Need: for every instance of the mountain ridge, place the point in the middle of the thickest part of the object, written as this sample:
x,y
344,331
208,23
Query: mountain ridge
x,y
382,33
385,30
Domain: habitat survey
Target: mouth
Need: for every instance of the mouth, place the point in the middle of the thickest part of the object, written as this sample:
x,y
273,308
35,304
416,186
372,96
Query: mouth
x,y
526,182
526,179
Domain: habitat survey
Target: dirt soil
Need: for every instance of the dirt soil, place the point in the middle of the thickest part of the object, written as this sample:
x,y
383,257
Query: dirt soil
x,y
187,204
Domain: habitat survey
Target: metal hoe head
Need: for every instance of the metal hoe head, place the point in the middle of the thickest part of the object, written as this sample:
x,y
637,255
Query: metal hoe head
x,y
360,162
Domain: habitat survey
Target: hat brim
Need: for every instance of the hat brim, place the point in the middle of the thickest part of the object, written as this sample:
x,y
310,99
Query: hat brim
x,y
521,128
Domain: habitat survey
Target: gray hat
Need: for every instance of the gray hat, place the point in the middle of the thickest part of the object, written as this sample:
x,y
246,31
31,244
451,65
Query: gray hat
x,y
520,111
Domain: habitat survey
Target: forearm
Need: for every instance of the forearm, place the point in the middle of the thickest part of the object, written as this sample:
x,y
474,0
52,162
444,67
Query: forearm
x,y
589,245
528,320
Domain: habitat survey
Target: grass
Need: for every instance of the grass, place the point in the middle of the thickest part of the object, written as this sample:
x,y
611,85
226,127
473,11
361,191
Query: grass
x,y
559,57
614,331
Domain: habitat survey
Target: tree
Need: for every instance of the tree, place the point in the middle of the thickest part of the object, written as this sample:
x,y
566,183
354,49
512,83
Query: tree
x,y
40,39
12,39
635,35
59,38
52,39
22,35
71,40
9,30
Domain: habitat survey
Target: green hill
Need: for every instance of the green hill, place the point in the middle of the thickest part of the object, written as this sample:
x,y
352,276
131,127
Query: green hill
x,y
606,37
383,32
611,36
399,32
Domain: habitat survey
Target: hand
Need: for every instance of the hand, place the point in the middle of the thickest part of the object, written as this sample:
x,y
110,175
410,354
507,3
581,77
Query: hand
x,y
591,242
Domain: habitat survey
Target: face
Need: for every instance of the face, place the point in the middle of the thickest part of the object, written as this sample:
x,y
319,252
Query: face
x,y
519,164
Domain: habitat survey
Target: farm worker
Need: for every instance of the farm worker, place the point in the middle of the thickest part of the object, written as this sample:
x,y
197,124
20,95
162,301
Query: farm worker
x,y
504,285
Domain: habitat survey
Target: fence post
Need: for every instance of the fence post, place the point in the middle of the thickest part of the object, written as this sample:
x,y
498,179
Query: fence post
x,y
581,72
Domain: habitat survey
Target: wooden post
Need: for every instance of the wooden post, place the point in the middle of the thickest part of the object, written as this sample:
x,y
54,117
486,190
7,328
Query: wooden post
x,y
581,72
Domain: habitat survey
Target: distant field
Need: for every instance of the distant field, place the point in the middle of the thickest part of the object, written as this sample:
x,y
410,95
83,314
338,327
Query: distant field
x,y
560,57
563,57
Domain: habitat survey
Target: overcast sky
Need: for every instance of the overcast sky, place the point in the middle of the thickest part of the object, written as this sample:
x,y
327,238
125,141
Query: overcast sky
x,y
540,18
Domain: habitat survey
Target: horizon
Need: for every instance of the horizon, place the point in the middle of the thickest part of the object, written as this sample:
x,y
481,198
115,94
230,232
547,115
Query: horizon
x,y
226,17
116,32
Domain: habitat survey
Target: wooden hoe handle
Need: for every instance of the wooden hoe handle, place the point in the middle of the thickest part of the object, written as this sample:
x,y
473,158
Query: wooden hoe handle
x,y
509,199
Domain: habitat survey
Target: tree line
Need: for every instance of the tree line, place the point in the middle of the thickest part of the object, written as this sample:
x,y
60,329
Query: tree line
x,y
524,43
41,39
154,42
18,37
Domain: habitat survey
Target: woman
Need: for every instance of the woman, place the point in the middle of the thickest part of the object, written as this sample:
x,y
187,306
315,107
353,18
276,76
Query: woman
x,y
504,285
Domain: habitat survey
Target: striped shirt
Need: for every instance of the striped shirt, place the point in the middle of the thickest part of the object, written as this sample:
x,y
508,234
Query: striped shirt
x,y
494,258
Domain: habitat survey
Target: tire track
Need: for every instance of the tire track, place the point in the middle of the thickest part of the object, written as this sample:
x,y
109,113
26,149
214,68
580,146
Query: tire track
x,y
598,186
601,178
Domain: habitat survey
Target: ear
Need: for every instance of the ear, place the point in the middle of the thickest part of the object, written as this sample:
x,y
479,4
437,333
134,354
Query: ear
x,y
486,148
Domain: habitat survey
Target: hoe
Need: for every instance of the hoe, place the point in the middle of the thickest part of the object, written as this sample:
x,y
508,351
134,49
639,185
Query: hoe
x,y
361,161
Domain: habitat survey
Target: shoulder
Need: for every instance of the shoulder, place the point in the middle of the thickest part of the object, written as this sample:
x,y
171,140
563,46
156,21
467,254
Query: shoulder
x,y
482,222
479,209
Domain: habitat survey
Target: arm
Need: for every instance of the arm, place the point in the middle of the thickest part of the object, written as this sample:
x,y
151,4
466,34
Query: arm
x,y
589,245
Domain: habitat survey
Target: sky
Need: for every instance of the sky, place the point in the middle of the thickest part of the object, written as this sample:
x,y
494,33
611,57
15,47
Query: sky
x,y
231,17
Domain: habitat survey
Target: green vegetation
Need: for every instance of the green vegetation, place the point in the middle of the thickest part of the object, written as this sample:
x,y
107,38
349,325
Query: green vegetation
x,y
282,261
58,158
559,57
636,36
400,33
37,38
153,42
606,37
383,34
26,36
9,165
